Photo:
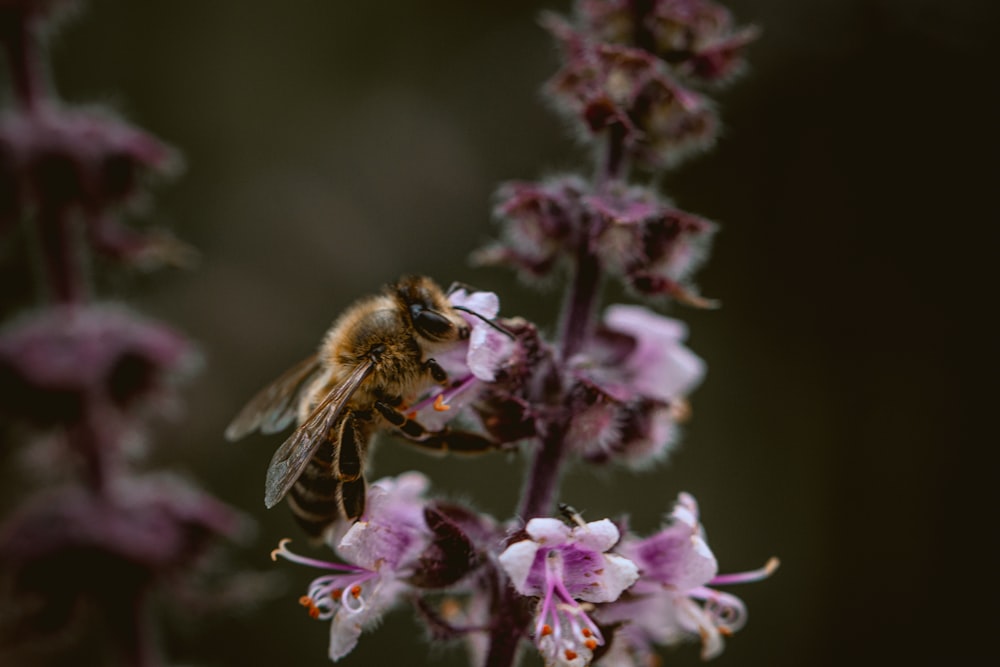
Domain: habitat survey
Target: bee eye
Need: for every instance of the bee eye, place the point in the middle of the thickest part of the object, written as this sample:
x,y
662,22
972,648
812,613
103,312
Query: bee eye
x,y
429,323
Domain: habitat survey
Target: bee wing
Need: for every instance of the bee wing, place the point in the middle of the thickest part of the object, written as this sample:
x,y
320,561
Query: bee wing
x,y
294,453
274,407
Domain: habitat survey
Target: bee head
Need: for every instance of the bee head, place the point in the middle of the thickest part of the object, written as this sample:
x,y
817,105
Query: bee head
x,y
429,311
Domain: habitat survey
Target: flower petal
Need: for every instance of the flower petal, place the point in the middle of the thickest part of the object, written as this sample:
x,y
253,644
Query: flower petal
x,y
517,560
619,574
597,535
547,531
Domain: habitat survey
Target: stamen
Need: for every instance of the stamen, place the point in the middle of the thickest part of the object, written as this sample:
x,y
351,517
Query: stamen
x,y
336,594
306,601
546,630
586,632
747,577
591,644
356,591
440,405
281,550
570,654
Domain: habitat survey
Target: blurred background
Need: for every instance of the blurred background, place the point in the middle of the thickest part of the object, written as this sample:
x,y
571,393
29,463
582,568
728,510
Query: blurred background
x,y
332,146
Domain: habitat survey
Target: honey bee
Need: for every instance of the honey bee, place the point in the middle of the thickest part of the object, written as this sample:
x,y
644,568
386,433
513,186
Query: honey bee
x,y
375,359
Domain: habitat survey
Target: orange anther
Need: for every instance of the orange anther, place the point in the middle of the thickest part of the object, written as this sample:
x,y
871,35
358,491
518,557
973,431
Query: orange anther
x,y
591,643
546,630
725,632
439,404
356,590
314,612
570,654
412,414
586,632
336,594
305,601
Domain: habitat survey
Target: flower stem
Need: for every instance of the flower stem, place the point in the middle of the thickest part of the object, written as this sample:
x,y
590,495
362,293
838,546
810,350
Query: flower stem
x,y
580,306
60,255
26,70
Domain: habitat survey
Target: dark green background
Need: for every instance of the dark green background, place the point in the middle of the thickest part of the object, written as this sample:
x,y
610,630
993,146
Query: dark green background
x,y
331,146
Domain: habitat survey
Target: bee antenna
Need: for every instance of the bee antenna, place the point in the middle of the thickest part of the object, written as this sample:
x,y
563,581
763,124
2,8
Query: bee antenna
x,y
488,321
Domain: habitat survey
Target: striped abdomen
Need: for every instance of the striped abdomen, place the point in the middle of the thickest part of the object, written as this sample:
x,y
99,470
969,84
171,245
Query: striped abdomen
x,y
332,484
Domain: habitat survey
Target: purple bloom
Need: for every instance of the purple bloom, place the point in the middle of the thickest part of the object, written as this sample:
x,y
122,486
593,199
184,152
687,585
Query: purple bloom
x,y
660,367
69,544
637,235
56,362
652,245
696,37
380,551
632,380
55,161
672,601
540,220
604,86
562,566
470,364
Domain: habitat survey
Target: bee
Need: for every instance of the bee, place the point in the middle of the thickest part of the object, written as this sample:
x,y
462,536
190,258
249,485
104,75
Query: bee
x,y
375,359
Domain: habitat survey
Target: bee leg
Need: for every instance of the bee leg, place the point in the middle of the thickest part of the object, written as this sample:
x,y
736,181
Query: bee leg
x,y
351,439
351,498
436,371
444,440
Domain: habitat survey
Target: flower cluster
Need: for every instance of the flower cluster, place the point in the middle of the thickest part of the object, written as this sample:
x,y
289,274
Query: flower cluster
x,y
609,388
630,67
671,601
596,595
630,384
80,379
401,543
634,234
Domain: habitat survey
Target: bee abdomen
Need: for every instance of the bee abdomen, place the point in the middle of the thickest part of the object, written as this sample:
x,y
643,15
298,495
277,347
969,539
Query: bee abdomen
x,y
318,499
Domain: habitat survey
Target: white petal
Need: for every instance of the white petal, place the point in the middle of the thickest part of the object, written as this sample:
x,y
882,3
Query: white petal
x,y
547,531
517,560
597,535
619,574
488,349
344,633
486,304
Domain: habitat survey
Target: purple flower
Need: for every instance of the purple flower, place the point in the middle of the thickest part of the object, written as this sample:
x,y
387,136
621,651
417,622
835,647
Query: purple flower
x,y
632,380
563,566
696,37
539,222
69,544
660,367
469,365
604,86
55,161
637,235
84,158
379,552
652,245
56,362
672,601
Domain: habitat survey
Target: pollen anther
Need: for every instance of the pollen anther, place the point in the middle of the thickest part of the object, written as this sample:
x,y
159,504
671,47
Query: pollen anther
x,y
440,405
